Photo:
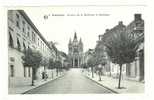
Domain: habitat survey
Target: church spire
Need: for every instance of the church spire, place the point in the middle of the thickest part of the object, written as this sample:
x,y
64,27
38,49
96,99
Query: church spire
x,y
75,36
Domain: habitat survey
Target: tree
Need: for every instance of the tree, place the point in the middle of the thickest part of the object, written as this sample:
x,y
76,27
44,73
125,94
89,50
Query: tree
x,y
121,48
51,63
57,66
45,62
100,61
32,59
91,63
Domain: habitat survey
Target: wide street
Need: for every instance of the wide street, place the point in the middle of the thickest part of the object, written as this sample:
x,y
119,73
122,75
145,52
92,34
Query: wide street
x,y
72,82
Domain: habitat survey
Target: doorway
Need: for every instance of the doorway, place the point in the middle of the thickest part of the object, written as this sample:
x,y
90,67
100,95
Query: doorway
x,y
76,63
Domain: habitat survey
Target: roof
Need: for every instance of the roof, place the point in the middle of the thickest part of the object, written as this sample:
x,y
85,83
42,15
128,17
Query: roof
x,y
33,26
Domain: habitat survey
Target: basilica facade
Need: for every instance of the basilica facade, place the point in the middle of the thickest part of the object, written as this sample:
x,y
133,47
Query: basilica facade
x,y
75,52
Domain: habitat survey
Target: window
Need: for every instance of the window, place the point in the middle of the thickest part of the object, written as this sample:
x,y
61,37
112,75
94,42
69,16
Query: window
x,y
10,40
18,45
24,46
112,69
12,59
17,21
12,70
38,41
137,24
17,24
129,69
42,46
75,50
33,37
23,28
29,74
17,16
123,69
28,31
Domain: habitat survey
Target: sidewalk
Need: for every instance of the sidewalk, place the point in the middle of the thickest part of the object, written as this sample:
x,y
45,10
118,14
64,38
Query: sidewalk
x,y
24,88
112,84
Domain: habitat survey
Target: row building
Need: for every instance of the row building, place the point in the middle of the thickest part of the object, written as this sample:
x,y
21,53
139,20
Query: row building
x,y
23,34
132,71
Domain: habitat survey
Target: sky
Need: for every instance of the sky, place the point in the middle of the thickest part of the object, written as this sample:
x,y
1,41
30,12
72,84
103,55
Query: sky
x,y
62,22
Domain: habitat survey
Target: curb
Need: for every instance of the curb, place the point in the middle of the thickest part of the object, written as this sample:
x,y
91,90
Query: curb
x,y
102,85
42,84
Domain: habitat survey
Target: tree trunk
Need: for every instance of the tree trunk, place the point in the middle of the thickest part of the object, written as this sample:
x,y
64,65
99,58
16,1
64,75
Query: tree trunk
x,y
99,73
57,71
92,72
120,76
33,72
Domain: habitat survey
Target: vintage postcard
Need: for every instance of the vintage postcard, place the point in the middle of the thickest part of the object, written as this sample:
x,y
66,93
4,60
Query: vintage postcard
x,y
76,49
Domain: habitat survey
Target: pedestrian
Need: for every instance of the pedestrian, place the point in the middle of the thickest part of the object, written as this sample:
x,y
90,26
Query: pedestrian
x,y
43,75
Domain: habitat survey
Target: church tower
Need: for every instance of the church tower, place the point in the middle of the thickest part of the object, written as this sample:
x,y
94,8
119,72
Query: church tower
x,y
75,51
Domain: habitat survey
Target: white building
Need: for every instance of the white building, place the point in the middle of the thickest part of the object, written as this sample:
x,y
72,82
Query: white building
x,y
23,34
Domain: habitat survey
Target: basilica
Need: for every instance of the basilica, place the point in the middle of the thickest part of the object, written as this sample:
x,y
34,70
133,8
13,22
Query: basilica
x,y
75,52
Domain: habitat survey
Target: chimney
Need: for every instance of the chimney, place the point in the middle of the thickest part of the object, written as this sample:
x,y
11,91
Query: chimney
x,y
137,17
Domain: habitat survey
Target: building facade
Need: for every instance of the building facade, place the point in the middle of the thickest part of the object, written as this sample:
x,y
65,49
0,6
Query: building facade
x,y
134,70
23,34
87,55
75,52
101,53
110,68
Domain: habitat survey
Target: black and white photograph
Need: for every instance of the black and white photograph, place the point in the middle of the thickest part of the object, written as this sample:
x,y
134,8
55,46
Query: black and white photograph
x,y
76,50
